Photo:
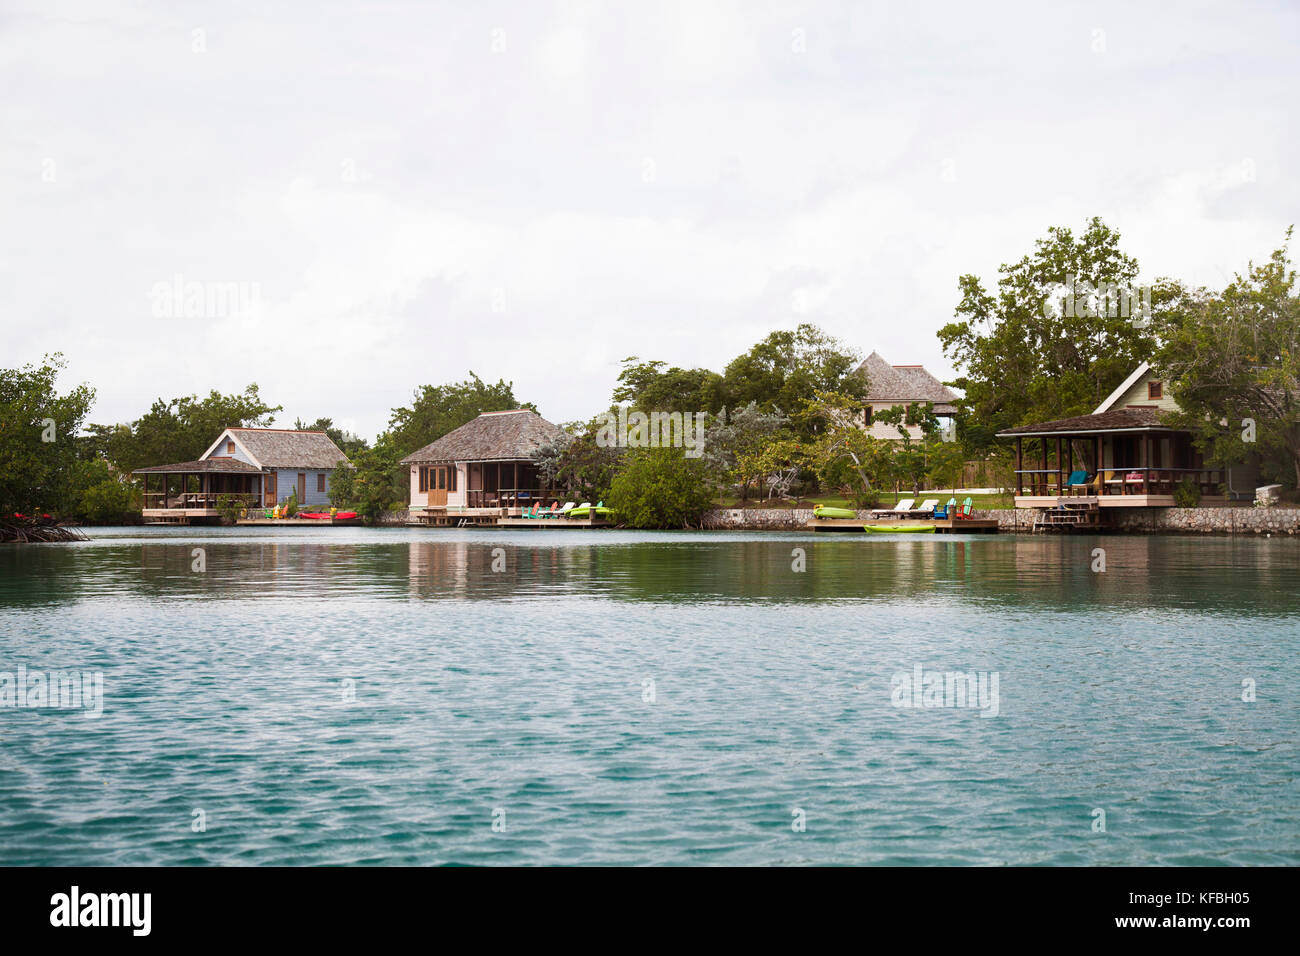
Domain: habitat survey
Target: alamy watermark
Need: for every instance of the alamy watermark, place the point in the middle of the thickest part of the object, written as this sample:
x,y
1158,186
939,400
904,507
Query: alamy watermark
x,y
60,690
923,689
635,429
179,299
1081,299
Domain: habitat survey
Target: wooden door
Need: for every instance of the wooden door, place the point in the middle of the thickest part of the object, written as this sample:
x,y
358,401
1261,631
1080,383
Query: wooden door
x,y
268,497
437,487
302,487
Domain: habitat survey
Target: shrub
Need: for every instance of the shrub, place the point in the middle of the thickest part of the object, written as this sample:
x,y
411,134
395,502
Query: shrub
x,y
1187,493
230,507
661,488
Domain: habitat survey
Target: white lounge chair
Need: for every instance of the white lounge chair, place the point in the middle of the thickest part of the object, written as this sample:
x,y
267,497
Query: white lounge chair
x,y
900,509
927,508
568,506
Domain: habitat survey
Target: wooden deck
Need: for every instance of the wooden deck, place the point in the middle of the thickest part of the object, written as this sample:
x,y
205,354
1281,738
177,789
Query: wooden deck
x,y
554,523
299,522
941,525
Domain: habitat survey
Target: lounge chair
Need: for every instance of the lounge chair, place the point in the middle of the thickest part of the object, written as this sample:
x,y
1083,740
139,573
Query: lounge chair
x,y
900,509
1077,480
568,506
548,512
530,512
947,510
927,508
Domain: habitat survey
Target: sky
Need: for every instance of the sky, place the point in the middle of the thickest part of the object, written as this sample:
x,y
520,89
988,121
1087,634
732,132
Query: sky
x,y
355,199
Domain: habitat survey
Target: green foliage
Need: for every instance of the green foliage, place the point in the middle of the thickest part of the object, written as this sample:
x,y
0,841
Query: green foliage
x,y
179,430
729,439
648,386
1187,493
105,498
1025,354
1233,361
348,443
229,507
788,368
290,507
660,488
576,462
376,483
37,475
437,410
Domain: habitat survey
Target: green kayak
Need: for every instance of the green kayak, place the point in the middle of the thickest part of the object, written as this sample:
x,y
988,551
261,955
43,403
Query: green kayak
x,y
904,529
598,512
822,511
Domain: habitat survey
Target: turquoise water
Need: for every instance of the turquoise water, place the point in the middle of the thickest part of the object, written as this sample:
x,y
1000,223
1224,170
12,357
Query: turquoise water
x,y
338,695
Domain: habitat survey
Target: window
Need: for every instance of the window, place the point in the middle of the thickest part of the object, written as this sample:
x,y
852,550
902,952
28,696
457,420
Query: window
x,y
866,416
320,482
1155,390
442,479
424,479
230,448
451,478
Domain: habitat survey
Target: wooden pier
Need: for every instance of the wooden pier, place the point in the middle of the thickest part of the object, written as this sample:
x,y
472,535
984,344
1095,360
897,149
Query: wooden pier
x,y
941,525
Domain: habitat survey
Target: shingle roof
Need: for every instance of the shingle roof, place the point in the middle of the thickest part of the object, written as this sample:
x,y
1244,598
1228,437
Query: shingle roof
x,y
219,466
902,383
1119,419
493,436
281,448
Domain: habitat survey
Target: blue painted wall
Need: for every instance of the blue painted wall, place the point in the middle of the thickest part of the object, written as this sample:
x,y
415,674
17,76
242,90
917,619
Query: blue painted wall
x,y
287,480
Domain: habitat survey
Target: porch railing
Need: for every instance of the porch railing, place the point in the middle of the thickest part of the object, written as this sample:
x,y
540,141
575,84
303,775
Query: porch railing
x,y
193,500
1118,480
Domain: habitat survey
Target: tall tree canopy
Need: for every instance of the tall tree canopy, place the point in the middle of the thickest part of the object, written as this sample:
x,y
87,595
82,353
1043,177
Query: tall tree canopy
x,y
349,443
438,409
779,373
179,430
1233,361
38,447
1055,340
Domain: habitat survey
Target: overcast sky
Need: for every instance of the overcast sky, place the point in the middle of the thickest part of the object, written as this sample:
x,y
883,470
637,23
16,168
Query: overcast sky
x,y
534,191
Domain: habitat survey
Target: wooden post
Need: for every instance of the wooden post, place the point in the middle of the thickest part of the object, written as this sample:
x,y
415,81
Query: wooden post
x,y
1020,457
1146,462
1042,473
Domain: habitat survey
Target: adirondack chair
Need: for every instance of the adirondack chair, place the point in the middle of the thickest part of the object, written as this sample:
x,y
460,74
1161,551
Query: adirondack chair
x,y
947,511
966,508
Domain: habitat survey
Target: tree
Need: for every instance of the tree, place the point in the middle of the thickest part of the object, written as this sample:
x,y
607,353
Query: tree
x,y
436,410
1065,328
1233,362
743,434
648,386
576,462
179,430
843,455
348,442
788,367
38,447
661,488
376,482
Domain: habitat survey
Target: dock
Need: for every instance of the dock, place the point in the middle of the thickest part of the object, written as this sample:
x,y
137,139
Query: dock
x,y
298,522
941,525
554,523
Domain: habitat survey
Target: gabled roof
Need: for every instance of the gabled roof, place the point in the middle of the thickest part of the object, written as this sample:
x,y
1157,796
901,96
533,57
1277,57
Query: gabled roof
x,y
902,383
284,448
215,466
1116,420
1128,383
493,436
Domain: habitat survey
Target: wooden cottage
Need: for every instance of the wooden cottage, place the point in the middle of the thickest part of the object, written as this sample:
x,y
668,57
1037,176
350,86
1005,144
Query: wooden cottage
x,y
263,466
889,386
484,469
1123,455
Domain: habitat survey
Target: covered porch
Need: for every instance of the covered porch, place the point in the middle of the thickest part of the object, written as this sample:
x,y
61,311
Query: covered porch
x,y
191,490
1118,459
510,484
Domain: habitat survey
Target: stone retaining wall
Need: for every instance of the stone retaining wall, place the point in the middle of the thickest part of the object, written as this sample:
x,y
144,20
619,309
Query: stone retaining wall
x,y
1021,520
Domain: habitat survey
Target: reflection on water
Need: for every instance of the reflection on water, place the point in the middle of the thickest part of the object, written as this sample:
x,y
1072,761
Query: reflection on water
x,y
510,669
